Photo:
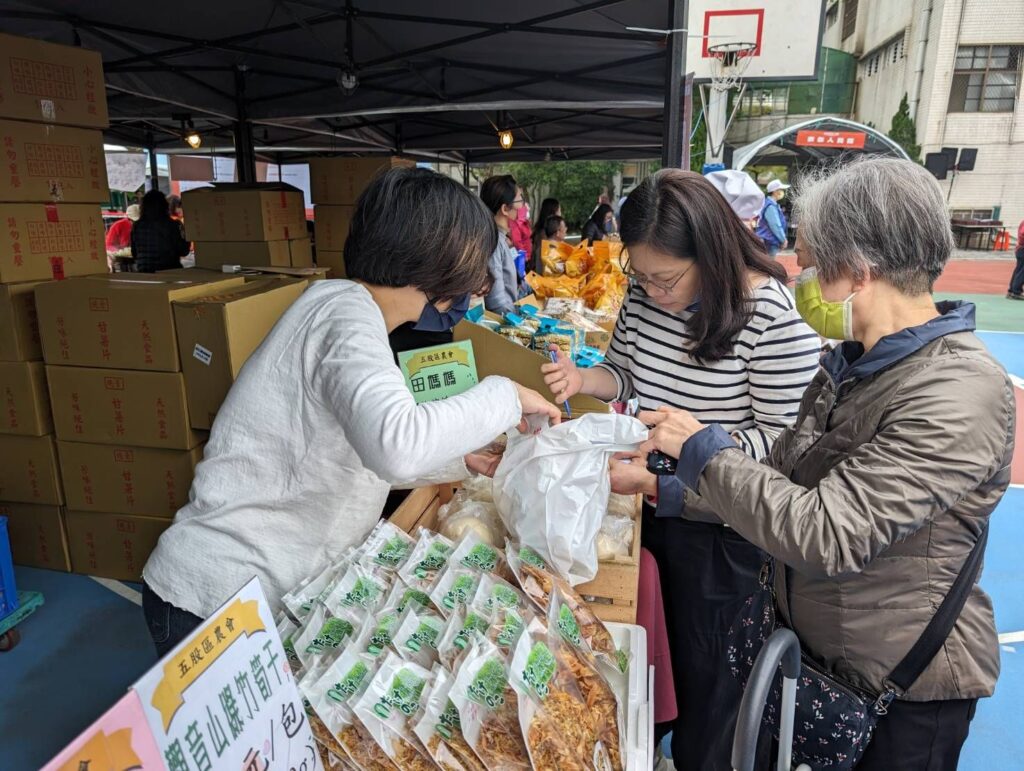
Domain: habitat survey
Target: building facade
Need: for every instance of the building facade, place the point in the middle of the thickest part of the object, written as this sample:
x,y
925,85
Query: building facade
x,y
960,64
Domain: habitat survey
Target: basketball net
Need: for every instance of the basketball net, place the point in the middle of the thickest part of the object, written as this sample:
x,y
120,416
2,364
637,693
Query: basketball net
x,y
729,63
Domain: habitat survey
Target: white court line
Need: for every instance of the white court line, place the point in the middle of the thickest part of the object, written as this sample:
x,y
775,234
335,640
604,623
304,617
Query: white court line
x,y
118,588
997,332
1011,637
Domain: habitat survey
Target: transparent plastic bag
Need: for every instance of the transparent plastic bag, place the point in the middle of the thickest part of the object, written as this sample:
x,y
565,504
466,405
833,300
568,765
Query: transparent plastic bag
x,y
615,539
551,489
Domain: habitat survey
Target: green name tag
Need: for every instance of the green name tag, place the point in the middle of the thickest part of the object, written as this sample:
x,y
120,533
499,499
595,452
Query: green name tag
x,y
439,372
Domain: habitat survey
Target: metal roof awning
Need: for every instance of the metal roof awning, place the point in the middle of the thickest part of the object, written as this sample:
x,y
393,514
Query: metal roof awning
x,y
809,142
566,77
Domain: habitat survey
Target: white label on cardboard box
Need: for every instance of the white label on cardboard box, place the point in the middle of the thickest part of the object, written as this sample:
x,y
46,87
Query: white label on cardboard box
x,y
202,354
48,110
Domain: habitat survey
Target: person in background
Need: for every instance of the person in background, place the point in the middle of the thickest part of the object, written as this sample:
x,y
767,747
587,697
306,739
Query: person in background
x,y
600,224
900,452
771,228
157,241
549,207
504,198
119,237
321,424
742,194
174,208
519,230
1016,291
555,228
743,357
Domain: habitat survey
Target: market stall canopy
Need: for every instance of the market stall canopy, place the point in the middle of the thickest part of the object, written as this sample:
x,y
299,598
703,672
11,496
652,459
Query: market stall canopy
x,y
815,141
314,76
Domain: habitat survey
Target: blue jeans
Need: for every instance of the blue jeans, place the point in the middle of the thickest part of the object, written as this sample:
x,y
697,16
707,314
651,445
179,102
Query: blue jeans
x,y
167,624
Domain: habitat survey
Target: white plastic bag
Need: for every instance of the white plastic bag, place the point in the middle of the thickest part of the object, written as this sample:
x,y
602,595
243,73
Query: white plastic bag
x,y
552,488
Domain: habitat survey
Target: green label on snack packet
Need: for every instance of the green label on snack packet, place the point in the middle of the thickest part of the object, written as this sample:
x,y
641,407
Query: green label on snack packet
x,y
502,597
381,636
481,557
330,635
448,721
529,556
569,627
435,559
462,587
403,695
511,629
540,669
426,634
488,687
474,623
343,691
363,593
414,596
393,553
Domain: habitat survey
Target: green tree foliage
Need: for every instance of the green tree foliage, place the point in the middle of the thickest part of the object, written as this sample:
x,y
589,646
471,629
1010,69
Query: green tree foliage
x,y
698,146
576,184
903,131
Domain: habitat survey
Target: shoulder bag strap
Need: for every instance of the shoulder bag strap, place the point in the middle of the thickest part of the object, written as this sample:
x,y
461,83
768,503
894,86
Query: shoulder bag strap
x,y
917,660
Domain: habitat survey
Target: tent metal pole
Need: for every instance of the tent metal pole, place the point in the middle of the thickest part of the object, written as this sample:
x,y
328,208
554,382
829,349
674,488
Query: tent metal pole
x,y
245,152
674,131
154,169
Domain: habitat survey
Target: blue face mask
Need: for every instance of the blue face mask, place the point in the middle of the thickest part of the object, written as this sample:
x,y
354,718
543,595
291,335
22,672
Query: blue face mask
x,y
609,227
433,320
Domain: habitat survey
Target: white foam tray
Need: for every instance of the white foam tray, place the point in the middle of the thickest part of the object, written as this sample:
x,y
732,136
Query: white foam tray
x,y
639,700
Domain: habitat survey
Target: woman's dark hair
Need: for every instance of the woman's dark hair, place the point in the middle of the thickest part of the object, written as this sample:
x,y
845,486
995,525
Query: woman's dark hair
x,y
681,214
548,208
415,227
154,206
499,191
602,211
551,225
174,203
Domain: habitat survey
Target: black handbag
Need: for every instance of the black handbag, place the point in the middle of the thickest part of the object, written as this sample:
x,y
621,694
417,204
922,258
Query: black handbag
x,y
834,719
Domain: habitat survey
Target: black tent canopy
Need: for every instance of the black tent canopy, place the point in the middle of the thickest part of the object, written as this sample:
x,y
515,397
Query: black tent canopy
x,y
437,80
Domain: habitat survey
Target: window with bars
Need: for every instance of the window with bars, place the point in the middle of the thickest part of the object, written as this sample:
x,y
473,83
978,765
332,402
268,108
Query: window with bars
x,y
832,15
757,102
849,18
986,78
972,214
883,58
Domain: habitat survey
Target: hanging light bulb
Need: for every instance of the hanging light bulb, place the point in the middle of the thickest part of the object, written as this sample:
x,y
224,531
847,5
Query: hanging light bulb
x,y
505,139
191,136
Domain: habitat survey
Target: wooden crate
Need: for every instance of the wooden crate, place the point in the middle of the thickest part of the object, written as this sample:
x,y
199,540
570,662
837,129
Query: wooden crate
x,y
613,592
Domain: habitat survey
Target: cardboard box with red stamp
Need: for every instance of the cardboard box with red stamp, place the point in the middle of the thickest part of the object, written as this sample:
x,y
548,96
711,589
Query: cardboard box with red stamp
x,y
112,545
52,164
245,212
37,535
44,241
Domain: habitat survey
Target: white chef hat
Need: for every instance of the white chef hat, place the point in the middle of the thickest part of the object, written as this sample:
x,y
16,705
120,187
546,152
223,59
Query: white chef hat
x,y
740,192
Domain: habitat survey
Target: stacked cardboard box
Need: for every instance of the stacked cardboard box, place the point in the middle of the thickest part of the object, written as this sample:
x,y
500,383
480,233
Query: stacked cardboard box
x,y
248,224
125,449
335,185
52,181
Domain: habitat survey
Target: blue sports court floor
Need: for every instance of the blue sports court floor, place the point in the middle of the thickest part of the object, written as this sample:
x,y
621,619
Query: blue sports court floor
x,y
82,649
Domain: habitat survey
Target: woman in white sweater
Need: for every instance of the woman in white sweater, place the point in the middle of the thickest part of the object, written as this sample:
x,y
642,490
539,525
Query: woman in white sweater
x,y
320,423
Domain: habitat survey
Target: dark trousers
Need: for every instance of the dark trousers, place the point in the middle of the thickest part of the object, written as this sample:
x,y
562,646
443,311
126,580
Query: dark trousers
x,y
1017,279
707,572
920,736
167,624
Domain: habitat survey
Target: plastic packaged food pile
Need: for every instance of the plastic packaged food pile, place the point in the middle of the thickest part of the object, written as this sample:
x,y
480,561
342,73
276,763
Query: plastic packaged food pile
x,y
427,653
592,273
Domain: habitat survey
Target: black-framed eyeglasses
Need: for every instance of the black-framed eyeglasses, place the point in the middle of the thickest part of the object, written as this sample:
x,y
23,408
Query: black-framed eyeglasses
x,y
518,200
645,281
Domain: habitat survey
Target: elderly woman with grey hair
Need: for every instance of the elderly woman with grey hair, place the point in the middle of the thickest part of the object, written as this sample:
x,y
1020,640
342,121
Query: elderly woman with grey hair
x,y
873,500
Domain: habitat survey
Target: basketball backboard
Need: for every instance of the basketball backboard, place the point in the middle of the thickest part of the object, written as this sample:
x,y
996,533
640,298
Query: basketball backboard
x,y
786,35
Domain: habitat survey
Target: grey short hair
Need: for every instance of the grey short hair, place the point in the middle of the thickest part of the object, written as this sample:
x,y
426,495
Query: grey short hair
x,y
883,217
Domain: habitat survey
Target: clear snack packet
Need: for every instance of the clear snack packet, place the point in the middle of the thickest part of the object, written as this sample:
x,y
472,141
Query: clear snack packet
x,y
465,624
287,629
531,572
387,546
604,688
301,600
554,716
393,699
323,633
507,624
428,558
335,694
362,588
615,538
417,636
488,708
493,593
454,587
440,729
471,552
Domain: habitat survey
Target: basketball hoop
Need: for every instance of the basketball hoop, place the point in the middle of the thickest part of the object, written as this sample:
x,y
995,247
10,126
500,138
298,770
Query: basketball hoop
x,y
729,62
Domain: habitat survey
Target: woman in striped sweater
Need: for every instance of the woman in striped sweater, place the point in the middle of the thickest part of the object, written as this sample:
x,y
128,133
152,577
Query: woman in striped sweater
x,y
708,327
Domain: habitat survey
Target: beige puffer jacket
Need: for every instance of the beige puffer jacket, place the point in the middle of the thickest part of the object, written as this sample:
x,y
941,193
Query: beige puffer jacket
x,y
874,499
